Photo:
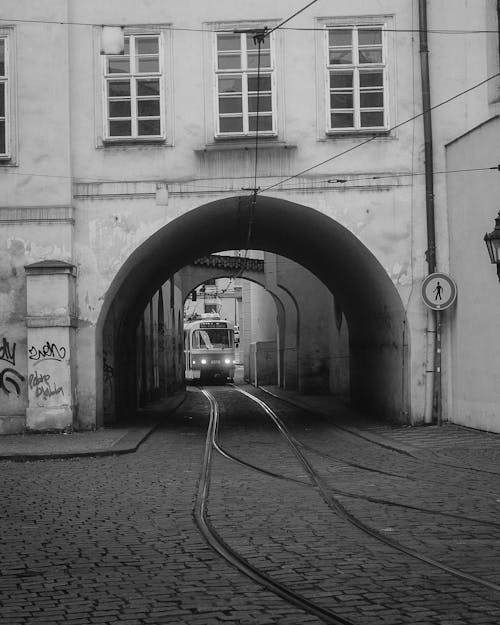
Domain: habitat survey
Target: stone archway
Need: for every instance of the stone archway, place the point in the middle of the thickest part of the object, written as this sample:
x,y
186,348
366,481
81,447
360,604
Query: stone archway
x,y
363,289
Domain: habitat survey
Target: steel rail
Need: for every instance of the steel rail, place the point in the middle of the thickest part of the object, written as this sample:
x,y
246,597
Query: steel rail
x,y
335,505
384,445
217,543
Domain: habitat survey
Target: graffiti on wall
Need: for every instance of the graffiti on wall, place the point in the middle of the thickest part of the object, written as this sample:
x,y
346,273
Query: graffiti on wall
x,y
108,372
48,351
42,385
10,378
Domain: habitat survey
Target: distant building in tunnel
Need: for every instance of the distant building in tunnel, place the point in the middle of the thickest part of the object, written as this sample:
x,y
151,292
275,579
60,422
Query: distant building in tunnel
x,y
202,132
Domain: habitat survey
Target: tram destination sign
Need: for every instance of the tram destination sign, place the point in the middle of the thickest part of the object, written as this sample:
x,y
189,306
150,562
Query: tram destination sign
x,y
213,324
439,291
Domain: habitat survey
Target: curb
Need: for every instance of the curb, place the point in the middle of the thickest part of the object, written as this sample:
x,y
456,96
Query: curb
x,y
128,443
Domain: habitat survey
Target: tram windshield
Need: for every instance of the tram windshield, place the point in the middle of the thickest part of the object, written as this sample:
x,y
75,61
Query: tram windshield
x,y
214,338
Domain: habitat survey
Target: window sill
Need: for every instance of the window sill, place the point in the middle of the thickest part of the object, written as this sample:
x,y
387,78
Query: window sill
x,y
349,134
246,144
133,142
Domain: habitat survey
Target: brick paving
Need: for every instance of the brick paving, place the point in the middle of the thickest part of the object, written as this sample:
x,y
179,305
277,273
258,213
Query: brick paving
x,y
109,540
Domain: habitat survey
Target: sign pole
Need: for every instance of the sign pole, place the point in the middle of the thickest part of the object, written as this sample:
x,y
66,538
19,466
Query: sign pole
x,y
439,292
438,407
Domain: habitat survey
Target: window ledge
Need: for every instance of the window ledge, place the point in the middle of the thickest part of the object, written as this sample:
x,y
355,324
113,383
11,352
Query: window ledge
x,y
249,144
357,134
133,142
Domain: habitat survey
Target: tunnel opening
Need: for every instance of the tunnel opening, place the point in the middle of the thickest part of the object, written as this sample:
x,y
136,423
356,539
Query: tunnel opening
x,y
363,294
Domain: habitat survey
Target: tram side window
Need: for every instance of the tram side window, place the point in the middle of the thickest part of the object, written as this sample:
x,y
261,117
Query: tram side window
x,y
211,339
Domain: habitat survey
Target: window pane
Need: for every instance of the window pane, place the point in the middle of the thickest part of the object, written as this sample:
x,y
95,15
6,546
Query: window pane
x,y
2,57
120,129
368,37
342,120
118,88
265,60
148,127
229,84
340,79
2,99
228,42
370,55
340,57
265,103
371,79
120,108
146,45
264,82
118,65
148,65
371,99
231,124
148,108
253,45
148,87
341,101
3,147
230,61
230,105
340,37
265,123
370,119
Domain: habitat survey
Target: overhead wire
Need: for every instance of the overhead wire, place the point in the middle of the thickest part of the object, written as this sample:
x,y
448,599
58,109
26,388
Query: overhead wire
x,y
437,31
376,136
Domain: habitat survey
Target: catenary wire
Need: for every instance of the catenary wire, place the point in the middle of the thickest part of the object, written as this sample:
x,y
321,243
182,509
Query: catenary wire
x,y
436,31
370,139
292,16
210,189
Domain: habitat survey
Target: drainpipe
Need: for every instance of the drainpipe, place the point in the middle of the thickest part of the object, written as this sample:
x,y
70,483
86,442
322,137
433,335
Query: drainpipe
x,y
433,373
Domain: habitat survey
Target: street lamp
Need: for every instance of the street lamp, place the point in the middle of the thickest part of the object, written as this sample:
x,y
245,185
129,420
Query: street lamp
x,y
492,240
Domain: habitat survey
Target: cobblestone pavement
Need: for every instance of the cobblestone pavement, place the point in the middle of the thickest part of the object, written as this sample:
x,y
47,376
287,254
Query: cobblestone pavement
x,y
113,540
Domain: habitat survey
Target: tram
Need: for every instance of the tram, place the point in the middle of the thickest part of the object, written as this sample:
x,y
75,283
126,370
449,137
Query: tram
x,y
209,348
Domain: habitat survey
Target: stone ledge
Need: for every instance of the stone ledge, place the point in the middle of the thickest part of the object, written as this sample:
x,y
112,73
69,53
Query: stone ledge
x,y
51,321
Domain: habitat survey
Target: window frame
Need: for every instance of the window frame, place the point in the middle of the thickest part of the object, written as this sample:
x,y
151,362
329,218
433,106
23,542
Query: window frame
x,y
164,75
357,68
245,72
7,34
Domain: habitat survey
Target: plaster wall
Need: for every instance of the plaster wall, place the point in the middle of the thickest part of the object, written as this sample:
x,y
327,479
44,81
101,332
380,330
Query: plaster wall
x,y
474,321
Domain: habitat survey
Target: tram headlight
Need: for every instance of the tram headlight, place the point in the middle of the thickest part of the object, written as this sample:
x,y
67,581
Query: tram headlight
x,y
194,362
227,361
234,362
203,361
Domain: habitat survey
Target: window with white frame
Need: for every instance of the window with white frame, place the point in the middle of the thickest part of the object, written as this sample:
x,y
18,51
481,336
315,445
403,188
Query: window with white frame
x,y
356,73
134,100
245,93
4,99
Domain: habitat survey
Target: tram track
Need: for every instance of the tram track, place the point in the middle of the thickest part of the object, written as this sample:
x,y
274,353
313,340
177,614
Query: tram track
x,y
215,540
329,495
385,444
476,489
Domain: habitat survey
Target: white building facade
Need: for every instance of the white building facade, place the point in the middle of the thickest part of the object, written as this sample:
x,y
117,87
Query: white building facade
x,y
120,167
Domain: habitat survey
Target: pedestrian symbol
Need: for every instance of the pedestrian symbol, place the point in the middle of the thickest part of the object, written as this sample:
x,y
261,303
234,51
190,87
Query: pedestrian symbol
x,y
439,291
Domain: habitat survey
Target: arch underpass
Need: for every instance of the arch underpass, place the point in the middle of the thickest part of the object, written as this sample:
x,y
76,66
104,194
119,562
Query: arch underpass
x,y
369,300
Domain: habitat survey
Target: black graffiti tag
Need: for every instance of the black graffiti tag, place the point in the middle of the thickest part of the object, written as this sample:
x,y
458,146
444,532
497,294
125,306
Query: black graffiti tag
x,y
8,376
108,372
7,352
48,351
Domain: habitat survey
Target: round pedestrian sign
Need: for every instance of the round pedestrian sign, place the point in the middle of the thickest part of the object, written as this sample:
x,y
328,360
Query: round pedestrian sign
x,y
439,291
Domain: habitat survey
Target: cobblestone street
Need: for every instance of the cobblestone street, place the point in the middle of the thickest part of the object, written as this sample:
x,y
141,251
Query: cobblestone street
x,y
112,539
